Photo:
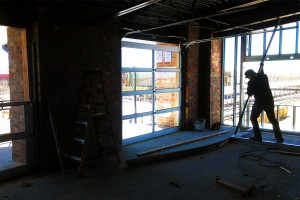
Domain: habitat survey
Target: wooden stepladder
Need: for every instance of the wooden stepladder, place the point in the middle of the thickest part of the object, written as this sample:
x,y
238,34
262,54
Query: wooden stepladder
x,y
57,140
92,122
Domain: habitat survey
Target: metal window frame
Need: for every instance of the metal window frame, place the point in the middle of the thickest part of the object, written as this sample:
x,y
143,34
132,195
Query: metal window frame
x,y
246,56
153,47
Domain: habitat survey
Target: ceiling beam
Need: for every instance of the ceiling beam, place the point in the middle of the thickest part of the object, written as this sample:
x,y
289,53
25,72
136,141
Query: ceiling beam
x,y
263,16
123,12
244,5
258,22
135,8
187,21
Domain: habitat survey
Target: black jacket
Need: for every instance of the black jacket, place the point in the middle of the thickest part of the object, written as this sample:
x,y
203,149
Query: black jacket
x,y
260,88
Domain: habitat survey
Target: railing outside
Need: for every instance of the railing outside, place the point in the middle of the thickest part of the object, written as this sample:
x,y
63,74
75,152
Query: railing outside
x,y
286,110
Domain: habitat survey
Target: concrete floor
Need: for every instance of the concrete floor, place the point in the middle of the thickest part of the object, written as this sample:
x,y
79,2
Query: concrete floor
x,y
189,175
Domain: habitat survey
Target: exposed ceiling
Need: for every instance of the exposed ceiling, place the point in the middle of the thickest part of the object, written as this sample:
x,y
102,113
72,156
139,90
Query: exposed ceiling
x,y
163,18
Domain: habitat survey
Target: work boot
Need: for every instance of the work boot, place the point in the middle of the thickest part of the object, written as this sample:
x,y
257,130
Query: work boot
x,y
259,139
280,140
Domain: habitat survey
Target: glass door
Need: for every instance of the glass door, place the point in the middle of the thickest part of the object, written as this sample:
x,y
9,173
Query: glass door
x,y
16,111
151,90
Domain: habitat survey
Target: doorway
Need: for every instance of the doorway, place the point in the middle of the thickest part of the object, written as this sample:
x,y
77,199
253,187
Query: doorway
x,y
16,109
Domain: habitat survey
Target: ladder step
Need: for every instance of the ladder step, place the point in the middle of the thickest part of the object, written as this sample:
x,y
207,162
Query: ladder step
x,y
85,105
78,140
91,109
72,157
85,123
99,114
106,133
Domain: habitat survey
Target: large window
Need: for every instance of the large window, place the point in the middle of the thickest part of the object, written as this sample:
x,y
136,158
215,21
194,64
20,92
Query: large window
x,y
151,92
282,65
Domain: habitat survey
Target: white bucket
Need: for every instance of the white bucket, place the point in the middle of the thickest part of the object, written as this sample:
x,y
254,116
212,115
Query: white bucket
x,y
199,124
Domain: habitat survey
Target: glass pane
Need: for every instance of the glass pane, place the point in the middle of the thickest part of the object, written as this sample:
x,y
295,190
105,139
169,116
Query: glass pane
x,y
247,45
4,72
128,81
144,103
128,105
238,80
286,117
274,47
284,83
289,25
297,115
137,126
136,58
12,154
143,80
166,120
229,59
5,120
288,41
132,81
166,59
137,104
12,119
257,44
167,80
166,100
299,38
228,80
4,88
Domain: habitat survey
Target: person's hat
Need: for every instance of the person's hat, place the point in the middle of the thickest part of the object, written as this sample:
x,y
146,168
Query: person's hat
x,y
249,72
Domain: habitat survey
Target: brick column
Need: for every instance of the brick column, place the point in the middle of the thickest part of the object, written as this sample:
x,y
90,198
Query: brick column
x,y
210,80
215,81
191,78
16,44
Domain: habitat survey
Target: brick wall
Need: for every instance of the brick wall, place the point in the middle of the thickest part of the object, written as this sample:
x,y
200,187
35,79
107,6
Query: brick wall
x,y
191,79
17,79
64,48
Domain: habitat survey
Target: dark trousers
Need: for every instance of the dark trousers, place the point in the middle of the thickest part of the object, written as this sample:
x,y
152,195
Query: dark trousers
x,y
268,107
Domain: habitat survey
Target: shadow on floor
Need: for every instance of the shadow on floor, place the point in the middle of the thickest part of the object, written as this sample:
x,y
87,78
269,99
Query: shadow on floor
x,y
193,175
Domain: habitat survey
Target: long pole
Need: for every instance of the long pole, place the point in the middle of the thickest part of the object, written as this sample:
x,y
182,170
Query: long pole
x,y
260,68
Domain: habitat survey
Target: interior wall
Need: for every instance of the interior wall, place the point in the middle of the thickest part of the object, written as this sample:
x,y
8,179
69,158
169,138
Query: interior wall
x,y
64,48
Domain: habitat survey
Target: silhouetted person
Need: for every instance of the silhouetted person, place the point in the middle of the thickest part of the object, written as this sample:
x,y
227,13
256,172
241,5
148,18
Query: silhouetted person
x,y
258,86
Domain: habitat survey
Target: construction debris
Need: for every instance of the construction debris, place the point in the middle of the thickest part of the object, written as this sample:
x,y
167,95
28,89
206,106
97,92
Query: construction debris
x,y
175,154
180,143
285,169
235,188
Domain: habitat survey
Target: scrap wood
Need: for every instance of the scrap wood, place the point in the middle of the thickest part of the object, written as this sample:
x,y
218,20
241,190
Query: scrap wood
x,y
163,156
285,169
224,142
180,143
235,188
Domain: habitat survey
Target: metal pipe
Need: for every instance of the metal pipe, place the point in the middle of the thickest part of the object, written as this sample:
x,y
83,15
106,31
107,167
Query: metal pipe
x,y
137,7
186,21
294,117
254,23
